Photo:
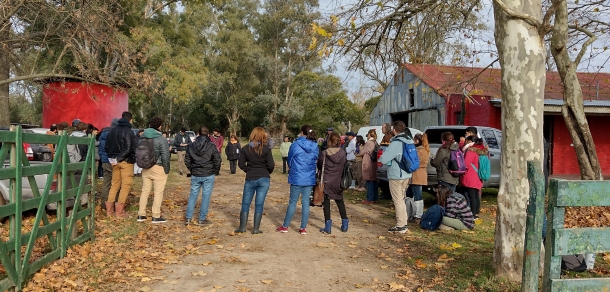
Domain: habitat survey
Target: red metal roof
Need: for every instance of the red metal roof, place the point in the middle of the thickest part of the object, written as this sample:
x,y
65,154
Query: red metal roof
x,y
448,80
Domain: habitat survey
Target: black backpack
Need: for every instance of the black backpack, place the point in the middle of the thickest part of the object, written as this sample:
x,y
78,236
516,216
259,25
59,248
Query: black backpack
x,y
374,152
146,156
346,176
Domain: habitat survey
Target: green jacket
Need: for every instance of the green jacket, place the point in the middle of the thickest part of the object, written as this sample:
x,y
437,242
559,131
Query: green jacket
x,y
160,147
284,148
441,162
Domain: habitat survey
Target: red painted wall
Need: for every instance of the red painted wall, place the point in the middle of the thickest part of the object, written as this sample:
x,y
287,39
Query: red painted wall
x,y
564,157
481,114
91,103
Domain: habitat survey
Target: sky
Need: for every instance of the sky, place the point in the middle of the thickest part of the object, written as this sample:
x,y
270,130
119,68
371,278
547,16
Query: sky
x,y
353,80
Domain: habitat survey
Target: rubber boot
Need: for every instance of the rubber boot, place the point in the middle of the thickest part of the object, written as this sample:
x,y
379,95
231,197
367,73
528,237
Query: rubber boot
x,y
120,210
419,208
109,209
344,225
243,220
327,226
257,223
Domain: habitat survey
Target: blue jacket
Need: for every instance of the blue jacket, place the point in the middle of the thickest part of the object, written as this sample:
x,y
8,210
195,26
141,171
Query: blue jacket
x,y
102,146
302,159
394,151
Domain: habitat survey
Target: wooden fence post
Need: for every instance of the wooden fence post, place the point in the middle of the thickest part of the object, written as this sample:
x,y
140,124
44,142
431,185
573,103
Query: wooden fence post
x,y
533,229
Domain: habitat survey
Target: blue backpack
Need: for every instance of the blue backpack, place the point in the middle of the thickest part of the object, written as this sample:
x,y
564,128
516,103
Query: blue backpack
x,y
432,218
409,161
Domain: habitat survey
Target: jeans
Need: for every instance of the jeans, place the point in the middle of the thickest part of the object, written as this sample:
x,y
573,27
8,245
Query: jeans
x,y
206,184
415,192
295,192
260,187
450,186
372,190
284,162
233,166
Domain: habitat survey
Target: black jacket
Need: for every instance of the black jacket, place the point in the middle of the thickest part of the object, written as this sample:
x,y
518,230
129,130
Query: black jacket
x,y
121,143
202,157
181,139
256,166
232,151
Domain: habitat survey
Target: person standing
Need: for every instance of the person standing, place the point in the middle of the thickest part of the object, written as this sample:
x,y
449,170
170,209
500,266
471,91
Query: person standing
x,y
232,152
359,154
441,161
332,162
470,181
156,176
203,161
181,141
218,140
137,171
106,166
121,149
388,134
369,168
420,176
398,178
350,151
329,131
52,131
257,162
302,158
284,149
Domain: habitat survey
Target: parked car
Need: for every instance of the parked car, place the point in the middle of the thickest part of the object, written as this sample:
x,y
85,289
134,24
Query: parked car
x,y
492,138
191,135
41,152
172,148
26,147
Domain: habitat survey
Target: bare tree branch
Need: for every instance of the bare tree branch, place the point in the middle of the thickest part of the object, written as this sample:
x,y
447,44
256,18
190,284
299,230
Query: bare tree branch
x,y
518,15
588,42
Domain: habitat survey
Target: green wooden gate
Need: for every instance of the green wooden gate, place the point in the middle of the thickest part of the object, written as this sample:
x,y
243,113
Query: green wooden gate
x,y
61,187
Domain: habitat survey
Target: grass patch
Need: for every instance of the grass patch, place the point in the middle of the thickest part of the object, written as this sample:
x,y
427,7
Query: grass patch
x,y
128,229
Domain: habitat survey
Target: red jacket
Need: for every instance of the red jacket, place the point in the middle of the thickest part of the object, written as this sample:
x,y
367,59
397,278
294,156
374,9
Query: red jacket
x,y
471,179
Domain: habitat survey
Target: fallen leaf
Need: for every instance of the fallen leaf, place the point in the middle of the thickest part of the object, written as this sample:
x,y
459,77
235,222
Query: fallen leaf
x,y
200,273
396,286
383,267
267,281
146,279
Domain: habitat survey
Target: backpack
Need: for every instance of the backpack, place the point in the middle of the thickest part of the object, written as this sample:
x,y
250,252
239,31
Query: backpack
x,y
457,166
573,262
146,156
432,218
346,176
409,161
374,152
484,168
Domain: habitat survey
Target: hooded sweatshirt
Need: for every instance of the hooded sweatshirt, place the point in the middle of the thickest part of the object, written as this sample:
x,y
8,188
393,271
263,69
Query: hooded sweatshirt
x,y
160,147
441,162
302,157
202,158
392,154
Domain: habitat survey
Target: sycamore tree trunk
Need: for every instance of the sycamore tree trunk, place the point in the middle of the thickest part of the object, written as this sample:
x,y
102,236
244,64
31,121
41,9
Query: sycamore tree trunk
x,y
522,57
573,110
5,119
233,120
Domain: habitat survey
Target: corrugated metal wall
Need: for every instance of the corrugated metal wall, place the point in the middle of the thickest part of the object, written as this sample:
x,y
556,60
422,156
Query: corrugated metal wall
x,y
428,108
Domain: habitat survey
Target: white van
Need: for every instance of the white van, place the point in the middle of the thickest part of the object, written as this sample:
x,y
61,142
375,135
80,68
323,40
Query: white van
x,y
364,130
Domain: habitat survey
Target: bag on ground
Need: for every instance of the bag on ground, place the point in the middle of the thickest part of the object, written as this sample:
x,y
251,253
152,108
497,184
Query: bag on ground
x,y
484,168
575,263
409,161
432,218
457,166
146,156
410,203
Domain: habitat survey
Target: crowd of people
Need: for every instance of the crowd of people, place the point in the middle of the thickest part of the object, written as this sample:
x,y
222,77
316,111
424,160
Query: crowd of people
x,y
307,160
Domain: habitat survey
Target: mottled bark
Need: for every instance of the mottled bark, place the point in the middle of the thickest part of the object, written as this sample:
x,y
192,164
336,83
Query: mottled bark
x,y
522,55
573,110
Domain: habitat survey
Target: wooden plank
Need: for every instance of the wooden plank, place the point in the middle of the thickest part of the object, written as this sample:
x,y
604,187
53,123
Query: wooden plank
x,y
581,240
35,138
80,239
555,219
42,231
7,210
533,227
7,136
6,261
591,284
17,155
39,263
580,193
79,140
36,169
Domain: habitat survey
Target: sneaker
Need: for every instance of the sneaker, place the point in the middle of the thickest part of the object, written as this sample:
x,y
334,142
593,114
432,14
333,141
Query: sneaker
x,y
141,218
187,222
204,222
365,202
158,220
398,229
282,229
302,231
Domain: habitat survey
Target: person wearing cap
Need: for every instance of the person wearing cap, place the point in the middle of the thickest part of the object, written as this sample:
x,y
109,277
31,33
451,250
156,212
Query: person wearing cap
x,y
72,128
350,150
329,131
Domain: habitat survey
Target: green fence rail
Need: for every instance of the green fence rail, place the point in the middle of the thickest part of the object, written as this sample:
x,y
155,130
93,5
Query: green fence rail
x,y
65,185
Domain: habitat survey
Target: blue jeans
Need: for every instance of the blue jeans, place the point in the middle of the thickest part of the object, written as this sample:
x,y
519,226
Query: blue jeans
x,y
372,190
450,186
295,192
206,184
260,186
415,192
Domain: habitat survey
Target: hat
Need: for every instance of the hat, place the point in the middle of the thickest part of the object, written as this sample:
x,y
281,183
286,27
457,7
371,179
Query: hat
x,y
75,122
115,122
350,134
330,129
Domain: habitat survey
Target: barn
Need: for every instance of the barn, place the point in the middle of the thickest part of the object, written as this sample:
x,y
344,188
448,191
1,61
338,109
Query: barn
x,y
433,95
